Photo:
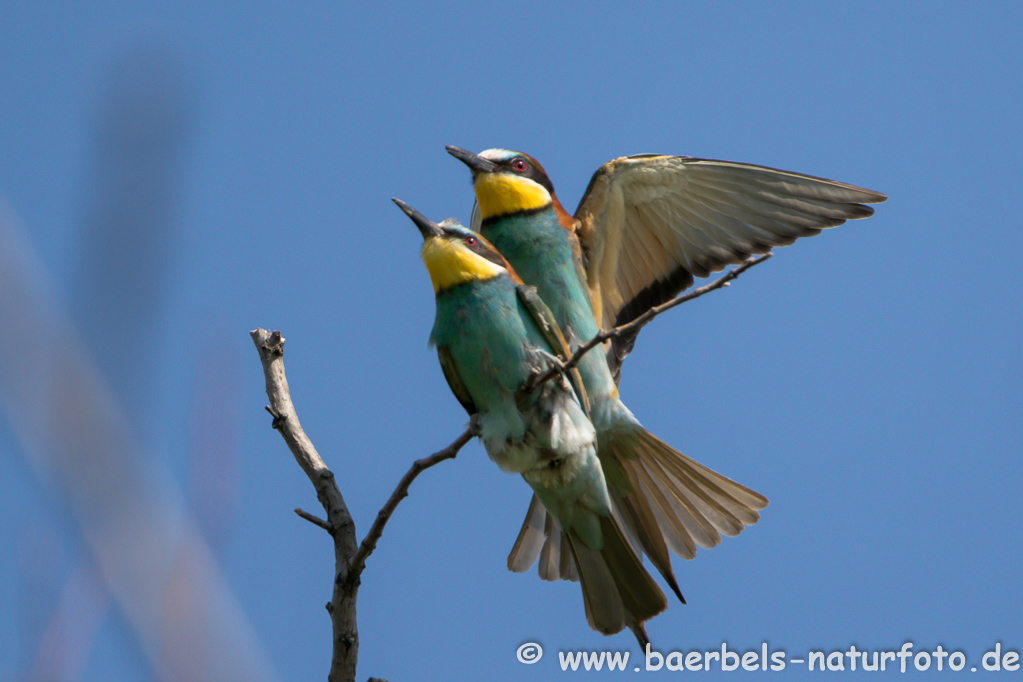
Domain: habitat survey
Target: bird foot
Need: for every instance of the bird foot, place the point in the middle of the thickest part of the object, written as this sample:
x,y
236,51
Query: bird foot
x,y
475,425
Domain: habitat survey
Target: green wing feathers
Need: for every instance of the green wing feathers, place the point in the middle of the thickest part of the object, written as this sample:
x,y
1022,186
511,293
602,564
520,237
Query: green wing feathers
x,y
545,322
447,366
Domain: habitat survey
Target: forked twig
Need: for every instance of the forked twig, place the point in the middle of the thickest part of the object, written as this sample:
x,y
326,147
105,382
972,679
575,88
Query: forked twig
x,y
608,334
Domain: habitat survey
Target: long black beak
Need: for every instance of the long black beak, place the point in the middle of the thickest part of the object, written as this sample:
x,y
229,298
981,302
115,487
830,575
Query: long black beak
x,y
428,228
476,163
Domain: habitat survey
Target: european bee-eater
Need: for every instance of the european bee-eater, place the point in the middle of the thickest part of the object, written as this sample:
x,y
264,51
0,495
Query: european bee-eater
x,y
492,333
645,227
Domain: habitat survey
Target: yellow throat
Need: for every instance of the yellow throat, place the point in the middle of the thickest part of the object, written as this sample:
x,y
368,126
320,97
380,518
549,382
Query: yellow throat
x,y
450,264
502,194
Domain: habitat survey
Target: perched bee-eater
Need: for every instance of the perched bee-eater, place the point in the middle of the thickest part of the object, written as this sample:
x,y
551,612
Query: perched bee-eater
x,y
645,227
492,334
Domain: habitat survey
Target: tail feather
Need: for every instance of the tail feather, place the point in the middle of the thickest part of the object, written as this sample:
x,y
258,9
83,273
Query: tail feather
x,y
641,521
605,611
738,493
569,570
663,501
708,508
698,493
530,541
555,556
541,538
729,506
666,510
618,591
666,498
701,530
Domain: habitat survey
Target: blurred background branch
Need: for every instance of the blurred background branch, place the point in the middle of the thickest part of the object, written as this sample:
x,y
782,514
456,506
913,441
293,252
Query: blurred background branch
x,y
77,389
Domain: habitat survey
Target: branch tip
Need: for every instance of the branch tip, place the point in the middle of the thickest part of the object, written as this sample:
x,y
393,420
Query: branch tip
x,y
278,419
315,520
274,343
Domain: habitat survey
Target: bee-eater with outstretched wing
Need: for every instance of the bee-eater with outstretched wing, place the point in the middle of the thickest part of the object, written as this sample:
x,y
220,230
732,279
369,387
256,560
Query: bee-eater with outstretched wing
x,y
645,227
492,334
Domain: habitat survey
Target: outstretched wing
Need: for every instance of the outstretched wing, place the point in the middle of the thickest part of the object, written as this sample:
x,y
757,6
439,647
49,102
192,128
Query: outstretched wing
x,y
649,223
544,319
447,366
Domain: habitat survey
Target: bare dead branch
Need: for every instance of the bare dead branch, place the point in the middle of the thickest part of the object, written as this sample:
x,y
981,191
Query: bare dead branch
x,y
339,521
606,335
349,558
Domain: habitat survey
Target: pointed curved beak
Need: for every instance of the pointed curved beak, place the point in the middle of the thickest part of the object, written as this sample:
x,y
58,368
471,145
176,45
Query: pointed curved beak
x,y
476,163
428,228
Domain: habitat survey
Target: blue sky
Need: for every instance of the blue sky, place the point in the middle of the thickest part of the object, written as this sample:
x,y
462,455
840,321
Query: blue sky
x,y
868,381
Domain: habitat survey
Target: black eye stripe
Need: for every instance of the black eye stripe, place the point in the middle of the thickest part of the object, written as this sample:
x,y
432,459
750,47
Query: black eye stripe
x,y
531,172
481,250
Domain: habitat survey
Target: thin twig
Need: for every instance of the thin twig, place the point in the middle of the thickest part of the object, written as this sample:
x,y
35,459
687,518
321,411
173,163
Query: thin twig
x,y
315,520
606,335
369,543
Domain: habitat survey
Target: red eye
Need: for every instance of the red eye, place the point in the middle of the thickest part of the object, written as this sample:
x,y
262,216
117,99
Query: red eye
x,y
519,165
471,241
